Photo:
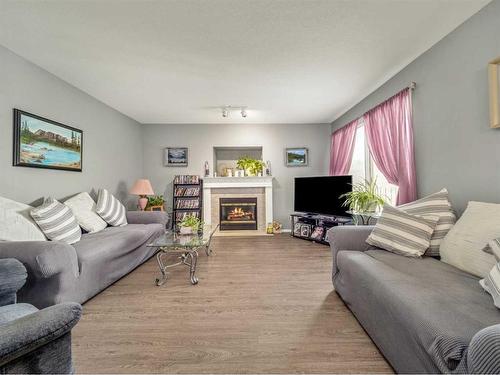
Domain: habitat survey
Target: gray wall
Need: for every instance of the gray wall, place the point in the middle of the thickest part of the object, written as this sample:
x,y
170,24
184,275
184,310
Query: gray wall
x,y
112,149
273,138
455,148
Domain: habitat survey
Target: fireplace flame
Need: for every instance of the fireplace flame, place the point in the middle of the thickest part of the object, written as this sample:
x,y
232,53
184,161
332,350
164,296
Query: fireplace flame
x,y
238,214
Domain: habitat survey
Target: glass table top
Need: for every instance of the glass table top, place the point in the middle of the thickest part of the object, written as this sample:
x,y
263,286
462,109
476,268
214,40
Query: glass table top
x,y
175,240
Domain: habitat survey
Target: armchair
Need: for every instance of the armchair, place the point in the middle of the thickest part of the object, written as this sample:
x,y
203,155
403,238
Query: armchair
x,y
32,340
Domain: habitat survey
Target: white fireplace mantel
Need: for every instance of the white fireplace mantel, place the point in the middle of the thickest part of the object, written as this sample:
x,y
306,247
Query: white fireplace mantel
x,y
210,183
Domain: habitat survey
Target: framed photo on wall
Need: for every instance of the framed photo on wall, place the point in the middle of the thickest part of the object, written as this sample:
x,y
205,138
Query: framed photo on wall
x,y
175,157
494,83
43,143
296,157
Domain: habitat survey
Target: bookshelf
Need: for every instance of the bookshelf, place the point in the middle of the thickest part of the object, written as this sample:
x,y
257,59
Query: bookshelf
x,y
187,197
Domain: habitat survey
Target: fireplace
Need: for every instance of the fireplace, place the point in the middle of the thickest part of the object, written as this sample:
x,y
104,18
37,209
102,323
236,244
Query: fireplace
x,y
238,213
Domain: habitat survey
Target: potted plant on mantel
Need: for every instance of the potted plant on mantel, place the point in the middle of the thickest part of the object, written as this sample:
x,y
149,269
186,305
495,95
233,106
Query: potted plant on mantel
x,y
252,167
190,224
364,199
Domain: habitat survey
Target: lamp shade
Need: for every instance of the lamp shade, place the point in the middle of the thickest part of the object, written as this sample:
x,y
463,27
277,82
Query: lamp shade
x,y
142,187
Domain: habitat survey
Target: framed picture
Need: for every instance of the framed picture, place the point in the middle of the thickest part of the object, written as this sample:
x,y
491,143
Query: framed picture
x,y
296,157
305,230
175,157
296,229
494,83
43,143
317,233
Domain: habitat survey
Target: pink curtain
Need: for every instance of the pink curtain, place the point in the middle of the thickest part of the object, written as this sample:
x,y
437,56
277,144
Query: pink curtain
x,y
341,149
389,131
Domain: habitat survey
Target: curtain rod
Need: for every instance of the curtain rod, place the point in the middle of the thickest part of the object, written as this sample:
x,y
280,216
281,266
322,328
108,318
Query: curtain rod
x,y
412,86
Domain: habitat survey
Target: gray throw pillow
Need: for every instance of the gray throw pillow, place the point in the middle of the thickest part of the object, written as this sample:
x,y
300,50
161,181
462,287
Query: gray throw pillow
x,y
57,221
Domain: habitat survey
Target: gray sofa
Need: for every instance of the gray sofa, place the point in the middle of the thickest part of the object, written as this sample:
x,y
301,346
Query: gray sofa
x,y
424,315
32,340
58,272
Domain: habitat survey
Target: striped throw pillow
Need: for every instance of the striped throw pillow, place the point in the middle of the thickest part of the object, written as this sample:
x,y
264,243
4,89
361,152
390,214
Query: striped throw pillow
x,y
57,221
491,283
111,209
437,204
401,233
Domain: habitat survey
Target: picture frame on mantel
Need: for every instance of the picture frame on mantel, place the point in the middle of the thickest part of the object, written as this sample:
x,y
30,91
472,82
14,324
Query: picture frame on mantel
x,y
494,84
175,157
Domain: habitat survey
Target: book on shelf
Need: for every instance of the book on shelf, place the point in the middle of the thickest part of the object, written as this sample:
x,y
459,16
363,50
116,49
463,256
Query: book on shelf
x,y
187,191
187,204
187,179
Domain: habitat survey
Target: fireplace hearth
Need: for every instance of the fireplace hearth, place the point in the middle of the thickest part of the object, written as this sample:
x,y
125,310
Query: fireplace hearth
x,y
238,213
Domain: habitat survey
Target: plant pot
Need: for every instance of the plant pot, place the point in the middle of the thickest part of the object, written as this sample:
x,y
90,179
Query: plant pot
x,y
186,230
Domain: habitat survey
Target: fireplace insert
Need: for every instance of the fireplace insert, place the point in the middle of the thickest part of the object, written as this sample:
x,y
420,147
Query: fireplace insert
x,y
238,213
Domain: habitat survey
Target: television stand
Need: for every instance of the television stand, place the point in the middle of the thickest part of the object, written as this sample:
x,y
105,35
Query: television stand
x,y
313,227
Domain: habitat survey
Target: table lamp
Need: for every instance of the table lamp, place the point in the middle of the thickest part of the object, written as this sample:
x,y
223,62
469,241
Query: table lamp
x,y
142,188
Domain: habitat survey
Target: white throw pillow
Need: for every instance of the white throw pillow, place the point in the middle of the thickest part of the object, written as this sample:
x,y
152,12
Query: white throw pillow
x,y
491,283
111,209
463,245
83,207
16,223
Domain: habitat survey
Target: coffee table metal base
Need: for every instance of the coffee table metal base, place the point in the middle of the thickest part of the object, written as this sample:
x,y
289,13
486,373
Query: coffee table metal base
x,y
188,258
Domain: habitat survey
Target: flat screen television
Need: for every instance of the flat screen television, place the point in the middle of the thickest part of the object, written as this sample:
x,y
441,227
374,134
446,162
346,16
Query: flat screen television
x,y
320,195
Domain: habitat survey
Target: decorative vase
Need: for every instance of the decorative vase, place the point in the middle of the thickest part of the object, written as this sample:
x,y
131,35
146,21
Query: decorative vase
x,y
143,202
186,230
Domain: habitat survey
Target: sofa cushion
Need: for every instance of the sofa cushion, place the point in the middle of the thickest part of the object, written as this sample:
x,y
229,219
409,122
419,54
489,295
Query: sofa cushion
x,y
429,310
16,223
113,242
463,245
437,204
8,313
402,233
57,221
83,207
111,209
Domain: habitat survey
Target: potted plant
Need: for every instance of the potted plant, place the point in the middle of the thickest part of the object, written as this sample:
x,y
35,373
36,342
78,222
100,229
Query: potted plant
x,y
252,167
155,203
190,224
364,198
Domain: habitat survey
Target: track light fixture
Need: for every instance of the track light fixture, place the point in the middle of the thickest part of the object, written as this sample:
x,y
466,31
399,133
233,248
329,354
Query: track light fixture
x,y
226,111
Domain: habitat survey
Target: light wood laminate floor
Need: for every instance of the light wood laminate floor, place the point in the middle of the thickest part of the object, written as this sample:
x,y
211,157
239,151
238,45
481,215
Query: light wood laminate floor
x,y
262,305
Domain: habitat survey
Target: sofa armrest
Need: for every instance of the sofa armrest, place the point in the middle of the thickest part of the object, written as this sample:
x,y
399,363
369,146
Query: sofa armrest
x,y
348,237
21,336
43,259
483,354
12,278
148,217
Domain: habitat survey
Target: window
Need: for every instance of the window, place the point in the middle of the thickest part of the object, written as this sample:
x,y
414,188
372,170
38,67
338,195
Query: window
x,y
363,168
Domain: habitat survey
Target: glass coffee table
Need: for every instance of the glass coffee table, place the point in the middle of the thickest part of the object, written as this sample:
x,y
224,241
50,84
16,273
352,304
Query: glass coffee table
x,y
187,245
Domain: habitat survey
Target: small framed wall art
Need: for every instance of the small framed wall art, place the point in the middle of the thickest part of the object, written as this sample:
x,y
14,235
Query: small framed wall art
x,y
494,83
43,143
296,157
175,157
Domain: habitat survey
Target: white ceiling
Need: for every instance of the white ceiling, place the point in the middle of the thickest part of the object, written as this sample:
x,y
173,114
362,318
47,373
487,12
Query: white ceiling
x,y
289,61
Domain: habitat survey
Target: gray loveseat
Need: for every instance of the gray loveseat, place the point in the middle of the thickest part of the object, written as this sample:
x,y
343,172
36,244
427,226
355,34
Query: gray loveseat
x,y
58,272
424,315
32,340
